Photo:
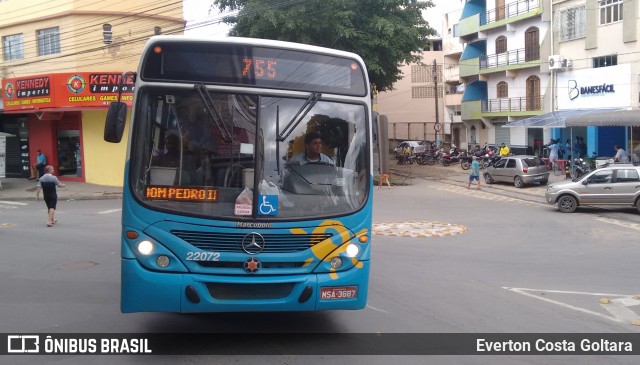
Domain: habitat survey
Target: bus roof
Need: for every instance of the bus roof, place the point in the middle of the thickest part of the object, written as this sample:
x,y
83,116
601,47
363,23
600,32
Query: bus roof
x,y
255,42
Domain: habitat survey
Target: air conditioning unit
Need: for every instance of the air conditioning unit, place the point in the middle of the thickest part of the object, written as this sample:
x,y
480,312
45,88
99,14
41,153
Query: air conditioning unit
x,y
567,64
555,62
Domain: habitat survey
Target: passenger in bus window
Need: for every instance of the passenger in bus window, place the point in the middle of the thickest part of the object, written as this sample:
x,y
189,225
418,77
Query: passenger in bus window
x,y
312,148
170,156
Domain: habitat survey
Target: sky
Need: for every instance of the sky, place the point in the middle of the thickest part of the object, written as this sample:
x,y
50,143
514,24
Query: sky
x,y
197,11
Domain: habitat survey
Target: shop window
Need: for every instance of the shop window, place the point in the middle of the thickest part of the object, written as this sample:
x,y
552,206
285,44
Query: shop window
x,y
69,153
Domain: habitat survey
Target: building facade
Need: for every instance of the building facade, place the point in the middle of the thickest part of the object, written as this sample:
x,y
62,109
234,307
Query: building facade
x,y
61,65
414,105
505,43
595,65
454,88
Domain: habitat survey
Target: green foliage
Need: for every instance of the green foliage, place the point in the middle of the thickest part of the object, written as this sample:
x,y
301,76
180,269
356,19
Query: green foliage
x,y
385,33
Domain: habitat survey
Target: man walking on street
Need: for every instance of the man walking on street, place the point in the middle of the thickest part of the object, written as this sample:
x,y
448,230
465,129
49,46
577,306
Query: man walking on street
x,y
48,184
474,172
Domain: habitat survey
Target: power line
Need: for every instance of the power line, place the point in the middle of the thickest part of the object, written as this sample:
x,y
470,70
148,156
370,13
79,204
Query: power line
x,y
73,33
174,30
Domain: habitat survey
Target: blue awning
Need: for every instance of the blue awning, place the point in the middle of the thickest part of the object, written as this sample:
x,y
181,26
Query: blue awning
x,y
555,119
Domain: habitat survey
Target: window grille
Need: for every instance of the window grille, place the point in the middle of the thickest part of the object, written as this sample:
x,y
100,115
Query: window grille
x,y
425,92
48,41
573,23
13,47
422,73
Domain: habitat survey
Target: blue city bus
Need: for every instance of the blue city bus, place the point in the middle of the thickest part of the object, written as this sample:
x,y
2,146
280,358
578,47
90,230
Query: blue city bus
x,y
248,179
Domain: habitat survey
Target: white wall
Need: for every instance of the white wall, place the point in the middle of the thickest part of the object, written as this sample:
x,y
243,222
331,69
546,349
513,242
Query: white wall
x,y
515,39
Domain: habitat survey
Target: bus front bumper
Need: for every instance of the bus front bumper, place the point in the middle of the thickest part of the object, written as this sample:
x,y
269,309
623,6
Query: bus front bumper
x,y
148,291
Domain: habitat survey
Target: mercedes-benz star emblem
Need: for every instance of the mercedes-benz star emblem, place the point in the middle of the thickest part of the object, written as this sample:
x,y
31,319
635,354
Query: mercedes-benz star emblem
x,y
253,243
252,265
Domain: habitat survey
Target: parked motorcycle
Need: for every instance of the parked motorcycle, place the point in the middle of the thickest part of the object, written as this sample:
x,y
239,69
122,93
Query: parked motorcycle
x,y
452,157
580,168
465,160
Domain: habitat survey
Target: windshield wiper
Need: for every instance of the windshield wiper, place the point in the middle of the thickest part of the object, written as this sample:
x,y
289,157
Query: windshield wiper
x,y
306,107
214,114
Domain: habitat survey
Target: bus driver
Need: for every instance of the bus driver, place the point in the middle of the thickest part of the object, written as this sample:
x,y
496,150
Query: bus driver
x,y
312,148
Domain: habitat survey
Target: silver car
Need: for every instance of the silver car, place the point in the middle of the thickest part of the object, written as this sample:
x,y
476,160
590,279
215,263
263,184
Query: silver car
x,y
615,185
418,147
518,170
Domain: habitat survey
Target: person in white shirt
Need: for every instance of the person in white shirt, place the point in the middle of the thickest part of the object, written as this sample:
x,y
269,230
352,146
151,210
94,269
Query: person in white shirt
x,y
621,155
553,151
312,148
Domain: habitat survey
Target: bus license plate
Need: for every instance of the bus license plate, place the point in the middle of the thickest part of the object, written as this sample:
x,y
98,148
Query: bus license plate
x,y
344,292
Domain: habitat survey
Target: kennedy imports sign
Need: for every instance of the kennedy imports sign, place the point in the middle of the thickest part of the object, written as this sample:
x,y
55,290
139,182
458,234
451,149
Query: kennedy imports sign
x,y
66,90
602,87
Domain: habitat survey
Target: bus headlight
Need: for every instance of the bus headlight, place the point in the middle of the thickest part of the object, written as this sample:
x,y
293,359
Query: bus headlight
x,y
163,261
145,247
352,250
336,263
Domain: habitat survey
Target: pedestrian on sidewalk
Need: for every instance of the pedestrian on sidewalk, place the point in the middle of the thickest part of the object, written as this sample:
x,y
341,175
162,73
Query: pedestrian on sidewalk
x,y
48,184
474,172
621,155
37,169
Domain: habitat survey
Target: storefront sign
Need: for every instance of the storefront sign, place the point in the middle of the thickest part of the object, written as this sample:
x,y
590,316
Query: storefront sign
x,y
66,90
603,87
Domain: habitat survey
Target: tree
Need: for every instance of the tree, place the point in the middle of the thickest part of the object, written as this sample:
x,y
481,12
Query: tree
x,y
385,33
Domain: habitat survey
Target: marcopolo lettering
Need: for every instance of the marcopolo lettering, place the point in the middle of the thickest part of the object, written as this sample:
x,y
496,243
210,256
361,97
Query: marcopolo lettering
x,y
253,225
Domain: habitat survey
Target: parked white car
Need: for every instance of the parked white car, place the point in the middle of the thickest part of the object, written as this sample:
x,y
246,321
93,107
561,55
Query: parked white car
x,y
418,147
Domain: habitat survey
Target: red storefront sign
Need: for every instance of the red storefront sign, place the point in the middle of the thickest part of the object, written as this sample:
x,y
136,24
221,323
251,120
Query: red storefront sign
x,y
66,90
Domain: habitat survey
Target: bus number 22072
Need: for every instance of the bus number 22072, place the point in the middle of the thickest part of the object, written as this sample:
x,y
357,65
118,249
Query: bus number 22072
x,y
203,256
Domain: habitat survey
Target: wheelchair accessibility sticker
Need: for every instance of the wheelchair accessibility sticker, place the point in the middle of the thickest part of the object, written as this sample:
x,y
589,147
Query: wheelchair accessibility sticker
x,y
268,204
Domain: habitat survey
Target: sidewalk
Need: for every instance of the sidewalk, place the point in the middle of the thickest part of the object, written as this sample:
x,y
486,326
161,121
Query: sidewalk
x,y
17,189
454,174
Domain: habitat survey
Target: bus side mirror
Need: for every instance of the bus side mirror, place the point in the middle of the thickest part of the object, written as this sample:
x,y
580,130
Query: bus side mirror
x,y
114,125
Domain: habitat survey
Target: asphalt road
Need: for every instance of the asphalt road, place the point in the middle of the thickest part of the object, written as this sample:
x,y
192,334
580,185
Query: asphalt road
x,y
459,261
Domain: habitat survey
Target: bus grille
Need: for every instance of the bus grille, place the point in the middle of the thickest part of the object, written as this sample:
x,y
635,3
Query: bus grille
x,y
232,242
240,265
249,291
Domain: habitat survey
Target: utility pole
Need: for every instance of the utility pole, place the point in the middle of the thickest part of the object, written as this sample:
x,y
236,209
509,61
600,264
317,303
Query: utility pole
x,y
437,126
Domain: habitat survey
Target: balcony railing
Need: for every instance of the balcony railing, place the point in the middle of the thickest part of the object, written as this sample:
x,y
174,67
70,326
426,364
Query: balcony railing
x,y
512,57
451,73
510,10
520,104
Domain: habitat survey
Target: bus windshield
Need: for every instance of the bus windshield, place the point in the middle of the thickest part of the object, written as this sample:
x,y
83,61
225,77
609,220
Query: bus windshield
x,y
219,154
